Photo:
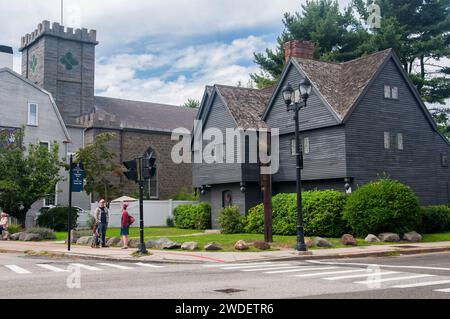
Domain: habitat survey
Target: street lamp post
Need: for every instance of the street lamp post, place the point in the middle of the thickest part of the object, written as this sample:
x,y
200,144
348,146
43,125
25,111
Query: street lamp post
x,y
296,100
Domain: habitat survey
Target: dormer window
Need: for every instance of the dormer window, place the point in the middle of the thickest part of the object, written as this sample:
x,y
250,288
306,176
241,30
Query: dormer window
x,y
391,92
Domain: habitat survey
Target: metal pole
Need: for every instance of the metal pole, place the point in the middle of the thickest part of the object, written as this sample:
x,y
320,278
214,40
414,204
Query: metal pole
x,y
62,12
69,216
301,246
142,248
267,184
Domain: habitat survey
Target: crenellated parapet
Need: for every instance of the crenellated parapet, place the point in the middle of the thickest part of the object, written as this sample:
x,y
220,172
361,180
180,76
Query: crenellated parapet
x,y
59,31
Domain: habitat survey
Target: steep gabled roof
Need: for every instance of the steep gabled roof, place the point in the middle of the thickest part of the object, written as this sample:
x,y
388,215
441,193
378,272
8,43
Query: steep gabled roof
x,y
145,115
245,105
341,84
50,96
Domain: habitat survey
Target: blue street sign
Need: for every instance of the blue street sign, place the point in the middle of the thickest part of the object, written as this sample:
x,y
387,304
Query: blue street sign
x,y
77,178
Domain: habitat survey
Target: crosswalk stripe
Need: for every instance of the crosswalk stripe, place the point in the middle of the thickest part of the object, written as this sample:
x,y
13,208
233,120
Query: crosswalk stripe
x,y
18,269
254,266
423,284
299,269
114,266
234,265
330,273
148,265
361,276
374,281
52,268
86,267
443,290
270,268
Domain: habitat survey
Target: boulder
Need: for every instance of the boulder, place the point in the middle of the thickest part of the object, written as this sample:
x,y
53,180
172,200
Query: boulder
x,y
113,242
171,245
212,247
85,240
191,245
32,237
152,244
389,237
321,242
349,240
241,245
5,235
261,245
413,237
15,236
132,243
309,242
372,239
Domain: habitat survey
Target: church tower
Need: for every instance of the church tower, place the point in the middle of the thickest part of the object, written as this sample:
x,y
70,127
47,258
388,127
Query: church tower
x,y
62,61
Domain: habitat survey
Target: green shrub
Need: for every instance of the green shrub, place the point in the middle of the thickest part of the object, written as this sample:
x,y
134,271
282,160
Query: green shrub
x,y
435,219
231,221
170,222
322,214
384,205
56,218
14,228
45,233
193,216
187,194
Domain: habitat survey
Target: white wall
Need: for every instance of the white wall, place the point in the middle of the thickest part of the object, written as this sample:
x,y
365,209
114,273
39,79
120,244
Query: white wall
x,y
6,60
155,212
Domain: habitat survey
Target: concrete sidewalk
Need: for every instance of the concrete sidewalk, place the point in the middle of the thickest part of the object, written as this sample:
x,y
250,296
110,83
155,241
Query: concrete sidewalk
x,y
117,254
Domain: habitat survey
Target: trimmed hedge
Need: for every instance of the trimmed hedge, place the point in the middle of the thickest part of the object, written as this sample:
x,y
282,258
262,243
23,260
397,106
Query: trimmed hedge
x,y
322,214
193,216
384,205
56,218
231,221
435,219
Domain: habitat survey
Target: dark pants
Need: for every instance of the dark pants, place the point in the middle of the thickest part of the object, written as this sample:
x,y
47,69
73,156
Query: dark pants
x,y
102,232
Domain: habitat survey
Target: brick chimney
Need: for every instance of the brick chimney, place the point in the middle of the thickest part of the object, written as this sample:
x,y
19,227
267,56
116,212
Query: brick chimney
x,y
298,49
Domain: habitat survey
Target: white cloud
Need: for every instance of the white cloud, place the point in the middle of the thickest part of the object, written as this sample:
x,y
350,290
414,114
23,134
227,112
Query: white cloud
x,y
209,63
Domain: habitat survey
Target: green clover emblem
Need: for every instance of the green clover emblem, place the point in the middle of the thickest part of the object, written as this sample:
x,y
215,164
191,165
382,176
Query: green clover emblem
x,y
69,61
33,63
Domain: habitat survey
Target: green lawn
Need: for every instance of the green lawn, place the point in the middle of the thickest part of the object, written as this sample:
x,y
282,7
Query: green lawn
x,y
228,241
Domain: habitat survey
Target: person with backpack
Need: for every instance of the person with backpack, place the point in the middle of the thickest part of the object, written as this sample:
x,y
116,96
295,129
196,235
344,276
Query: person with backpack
x,y
102,219
127,220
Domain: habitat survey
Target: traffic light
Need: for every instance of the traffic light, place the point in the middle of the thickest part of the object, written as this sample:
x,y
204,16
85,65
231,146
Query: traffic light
x,y
149,167
131,173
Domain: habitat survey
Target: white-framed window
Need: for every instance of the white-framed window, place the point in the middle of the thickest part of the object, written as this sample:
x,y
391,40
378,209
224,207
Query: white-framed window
x,y
33,114
306,145
51,199
391,92
400,141
387,140
45,144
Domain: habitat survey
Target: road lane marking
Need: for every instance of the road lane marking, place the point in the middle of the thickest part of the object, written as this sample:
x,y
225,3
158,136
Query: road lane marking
x,y
443,290
115,266
87,267
424,284
232,265
361,276
270,268
254,266
18,269
374,281
366,265
148,265
300,269
52,268
330,273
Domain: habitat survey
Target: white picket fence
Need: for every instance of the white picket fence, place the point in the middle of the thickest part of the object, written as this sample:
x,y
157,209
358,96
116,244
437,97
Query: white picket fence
x,y
155,212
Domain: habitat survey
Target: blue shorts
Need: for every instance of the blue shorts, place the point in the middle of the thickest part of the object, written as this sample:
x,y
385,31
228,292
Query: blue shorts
x,y
124,230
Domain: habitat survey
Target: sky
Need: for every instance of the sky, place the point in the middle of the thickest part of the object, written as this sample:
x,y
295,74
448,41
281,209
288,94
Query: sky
x,y
160,51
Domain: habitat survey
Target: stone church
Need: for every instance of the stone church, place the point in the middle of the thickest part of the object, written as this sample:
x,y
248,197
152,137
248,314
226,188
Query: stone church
x,y
62,61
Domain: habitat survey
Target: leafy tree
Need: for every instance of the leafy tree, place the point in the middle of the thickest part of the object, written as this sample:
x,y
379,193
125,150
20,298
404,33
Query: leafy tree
x,y
27,175
192,104
100,167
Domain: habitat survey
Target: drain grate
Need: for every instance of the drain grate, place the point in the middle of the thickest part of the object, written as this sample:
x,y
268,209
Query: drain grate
x,y
406,246
229,291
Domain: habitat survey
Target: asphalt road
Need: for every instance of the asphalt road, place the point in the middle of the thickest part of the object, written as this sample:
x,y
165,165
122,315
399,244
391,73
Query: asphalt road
x,y
419,276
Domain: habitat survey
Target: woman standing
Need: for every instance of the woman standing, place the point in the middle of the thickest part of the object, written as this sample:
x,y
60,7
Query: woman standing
x,y
125,229
3,223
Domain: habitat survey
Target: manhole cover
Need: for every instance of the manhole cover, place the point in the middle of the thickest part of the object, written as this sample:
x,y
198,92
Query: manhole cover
x,y
229,291
406,246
